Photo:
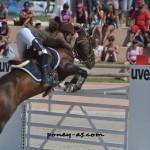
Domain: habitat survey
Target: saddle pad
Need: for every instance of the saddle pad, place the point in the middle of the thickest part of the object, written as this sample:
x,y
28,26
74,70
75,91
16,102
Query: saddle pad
x,y
34,71
55,58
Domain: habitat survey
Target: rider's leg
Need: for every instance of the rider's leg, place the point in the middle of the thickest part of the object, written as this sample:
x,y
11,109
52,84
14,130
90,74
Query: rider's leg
x,y
44,64
25,38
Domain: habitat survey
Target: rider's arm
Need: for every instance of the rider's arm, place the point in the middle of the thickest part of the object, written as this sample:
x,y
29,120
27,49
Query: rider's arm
x,y
59,42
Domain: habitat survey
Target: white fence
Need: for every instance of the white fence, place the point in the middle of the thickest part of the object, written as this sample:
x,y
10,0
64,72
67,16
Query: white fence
x,y
11,137
93,122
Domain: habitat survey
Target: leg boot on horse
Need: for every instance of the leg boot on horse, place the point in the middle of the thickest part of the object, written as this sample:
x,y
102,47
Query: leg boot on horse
x,y
46,80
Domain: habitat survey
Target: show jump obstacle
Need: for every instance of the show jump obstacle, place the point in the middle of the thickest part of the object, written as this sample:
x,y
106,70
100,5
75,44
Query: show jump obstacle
x,y
139,114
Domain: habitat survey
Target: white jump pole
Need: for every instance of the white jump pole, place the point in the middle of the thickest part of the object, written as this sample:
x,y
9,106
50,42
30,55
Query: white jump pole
x,y
139,108
11,137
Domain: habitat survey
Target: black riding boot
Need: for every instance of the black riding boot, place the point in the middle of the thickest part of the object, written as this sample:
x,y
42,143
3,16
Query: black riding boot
x,y
46,79
38,46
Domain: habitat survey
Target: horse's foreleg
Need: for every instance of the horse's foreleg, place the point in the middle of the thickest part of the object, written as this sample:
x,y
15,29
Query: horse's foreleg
x,y
77,81
80,82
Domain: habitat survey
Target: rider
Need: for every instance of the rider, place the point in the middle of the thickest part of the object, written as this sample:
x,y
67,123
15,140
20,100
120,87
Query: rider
x,y
30,36
63,32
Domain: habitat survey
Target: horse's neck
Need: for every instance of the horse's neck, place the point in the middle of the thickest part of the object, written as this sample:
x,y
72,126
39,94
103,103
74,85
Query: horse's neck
x,y
82,35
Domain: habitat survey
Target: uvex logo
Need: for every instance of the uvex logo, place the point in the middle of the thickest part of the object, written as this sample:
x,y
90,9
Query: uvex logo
x,y
4,67
139,74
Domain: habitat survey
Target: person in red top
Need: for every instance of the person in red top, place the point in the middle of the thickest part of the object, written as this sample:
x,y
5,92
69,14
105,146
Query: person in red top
x,y
141,22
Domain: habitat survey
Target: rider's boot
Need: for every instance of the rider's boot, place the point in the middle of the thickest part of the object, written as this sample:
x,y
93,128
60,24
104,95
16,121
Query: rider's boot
x,y
39,47
47,79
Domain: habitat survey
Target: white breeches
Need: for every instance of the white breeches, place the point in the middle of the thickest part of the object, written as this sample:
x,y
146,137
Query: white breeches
x,y
24,39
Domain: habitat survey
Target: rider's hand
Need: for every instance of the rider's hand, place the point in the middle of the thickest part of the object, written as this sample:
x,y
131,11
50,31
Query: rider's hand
x,y
76,35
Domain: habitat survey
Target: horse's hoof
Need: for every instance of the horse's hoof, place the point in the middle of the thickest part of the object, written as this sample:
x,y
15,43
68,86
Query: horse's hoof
x,y
65,88
70,88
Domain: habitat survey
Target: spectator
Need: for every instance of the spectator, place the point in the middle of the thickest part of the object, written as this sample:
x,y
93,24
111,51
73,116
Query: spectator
x,y
7,51
109,23
65,14
126,7
96,21
26,15
147,39
3,12
5,31
111,50
98,50
2,47
141,22
90,4
116,7
104,5
81,17
38,24
131,55
139,1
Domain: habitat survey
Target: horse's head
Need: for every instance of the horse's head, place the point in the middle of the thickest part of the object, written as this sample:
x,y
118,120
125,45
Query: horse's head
x,y
84,49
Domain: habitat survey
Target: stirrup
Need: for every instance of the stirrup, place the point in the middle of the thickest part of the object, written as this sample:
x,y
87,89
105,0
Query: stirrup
x,y
48,81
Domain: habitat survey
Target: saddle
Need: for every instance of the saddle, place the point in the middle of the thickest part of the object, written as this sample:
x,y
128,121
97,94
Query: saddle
x,y
31,66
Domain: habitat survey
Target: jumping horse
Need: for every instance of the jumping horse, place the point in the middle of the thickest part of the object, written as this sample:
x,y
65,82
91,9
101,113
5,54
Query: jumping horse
x,y
17,86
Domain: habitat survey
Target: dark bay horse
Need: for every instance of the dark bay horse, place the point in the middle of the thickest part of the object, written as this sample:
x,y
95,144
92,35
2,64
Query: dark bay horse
x,y
17,86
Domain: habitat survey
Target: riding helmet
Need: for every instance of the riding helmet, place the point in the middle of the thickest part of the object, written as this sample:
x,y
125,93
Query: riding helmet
x,y
67,27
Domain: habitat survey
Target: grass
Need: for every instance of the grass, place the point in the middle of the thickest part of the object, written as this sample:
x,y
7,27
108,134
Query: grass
x,y
100,79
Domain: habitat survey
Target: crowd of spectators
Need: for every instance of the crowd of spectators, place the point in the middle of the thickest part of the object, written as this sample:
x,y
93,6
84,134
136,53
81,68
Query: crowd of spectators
x,y
99,18
5,49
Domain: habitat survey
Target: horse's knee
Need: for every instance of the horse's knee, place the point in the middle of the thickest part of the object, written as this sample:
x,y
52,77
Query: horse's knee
x,y
84,74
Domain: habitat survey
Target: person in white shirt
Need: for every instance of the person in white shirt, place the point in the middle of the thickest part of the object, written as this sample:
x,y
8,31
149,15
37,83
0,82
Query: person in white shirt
x,y
98,50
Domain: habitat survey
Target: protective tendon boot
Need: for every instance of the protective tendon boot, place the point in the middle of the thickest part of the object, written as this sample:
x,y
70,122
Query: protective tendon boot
x,y
44,71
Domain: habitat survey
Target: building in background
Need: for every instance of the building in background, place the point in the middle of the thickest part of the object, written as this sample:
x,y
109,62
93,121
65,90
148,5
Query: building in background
x,y
39,7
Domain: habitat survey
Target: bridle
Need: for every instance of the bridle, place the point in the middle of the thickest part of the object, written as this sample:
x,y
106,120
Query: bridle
x,y
89,57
